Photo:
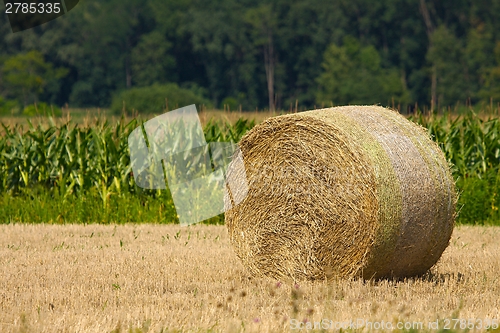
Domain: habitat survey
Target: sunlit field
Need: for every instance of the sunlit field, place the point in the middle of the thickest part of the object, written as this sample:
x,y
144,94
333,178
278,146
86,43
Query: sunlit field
x,y
141,277
86,117
167,278
97,181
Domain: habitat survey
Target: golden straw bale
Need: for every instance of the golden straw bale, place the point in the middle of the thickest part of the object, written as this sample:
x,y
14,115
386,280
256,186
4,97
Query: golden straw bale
x,y
345,191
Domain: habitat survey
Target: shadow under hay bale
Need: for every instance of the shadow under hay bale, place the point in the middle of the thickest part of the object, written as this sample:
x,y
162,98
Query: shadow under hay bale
x,y
345,191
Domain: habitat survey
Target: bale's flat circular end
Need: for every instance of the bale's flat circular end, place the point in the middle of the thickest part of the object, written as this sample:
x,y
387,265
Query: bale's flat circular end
x,y
347,191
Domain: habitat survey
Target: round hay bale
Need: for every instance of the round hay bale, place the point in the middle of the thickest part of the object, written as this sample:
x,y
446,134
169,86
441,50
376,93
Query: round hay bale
x,y
345,191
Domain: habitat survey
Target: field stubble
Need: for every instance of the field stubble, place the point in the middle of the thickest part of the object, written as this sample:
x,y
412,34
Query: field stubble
x,y
104,278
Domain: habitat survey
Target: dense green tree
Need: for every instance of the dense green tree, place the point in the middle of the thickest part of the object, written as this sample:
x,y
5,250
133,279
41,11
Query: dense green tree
x,y
111,30
151,61
447,60
264,54
220,39
490,91
25,76
262,21
353,75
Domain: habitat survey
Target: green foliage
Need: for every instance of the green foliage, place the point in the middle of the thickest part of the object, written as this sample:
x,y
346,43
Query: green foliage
x,y
223,132
229,103
155,99
472,145
42,109
25,76
82,174
446,57
41,205
491,89
151,61
353,74
67,157
8,107
72,174
480,198
225,46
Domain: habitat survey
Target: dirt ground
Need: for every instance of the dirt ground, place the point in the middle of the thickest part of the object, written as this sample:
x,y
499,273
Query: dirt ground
x,y
168,278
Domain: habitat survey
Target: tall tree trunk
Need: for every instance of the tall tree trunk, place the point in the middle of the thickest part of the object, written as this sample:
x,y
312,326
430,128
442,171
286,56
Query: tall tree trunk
x,y
427,18
269,64
128,72
128,75
430,29
433,88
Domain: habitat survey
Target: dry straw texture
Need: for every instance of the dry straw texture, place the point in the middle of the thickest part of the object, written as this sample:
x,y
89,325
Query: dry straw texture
x,y
346,191
165,278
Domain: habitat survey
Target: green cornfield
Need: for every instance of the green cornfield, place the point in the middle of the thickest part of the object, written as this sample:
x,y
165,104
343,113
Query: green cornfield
x,y
70,173
73,173
472,144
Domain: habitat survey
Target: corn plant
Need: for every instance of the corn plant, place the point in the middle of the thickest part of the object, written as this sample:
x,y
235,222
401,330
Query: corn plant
x,y
470,143
72,159
89,166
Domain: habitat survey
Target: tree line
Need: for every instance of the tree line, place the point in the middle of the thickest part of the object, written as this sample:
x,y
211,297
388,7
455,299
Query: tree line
x,y
259,54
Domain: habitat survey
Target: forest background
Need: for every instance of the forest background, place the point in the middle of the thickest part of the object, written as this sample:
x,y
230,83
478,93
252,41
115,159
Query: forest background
x,y
256,54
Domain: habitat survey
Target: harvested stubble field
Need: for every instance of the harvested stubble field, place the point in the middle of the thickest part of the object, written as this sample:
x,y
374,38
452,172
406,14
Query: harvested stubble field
x,y
167,278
